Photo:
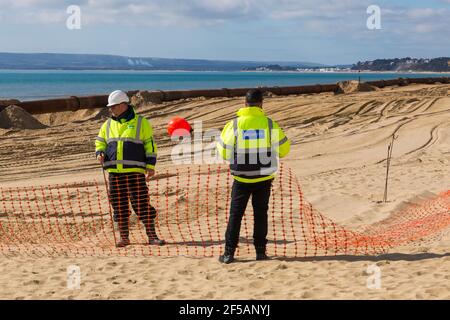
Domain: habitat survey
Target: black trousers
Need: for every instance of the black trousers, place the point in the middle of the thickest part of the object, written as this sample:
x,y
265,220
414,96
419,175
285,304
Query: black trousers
x,y
240,195
124,187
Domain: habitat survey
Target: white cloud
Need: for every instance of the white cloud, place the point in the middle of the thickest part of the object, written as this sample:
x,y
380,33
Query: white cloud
x,y
185,13
314,16
424,13
425,28
425,21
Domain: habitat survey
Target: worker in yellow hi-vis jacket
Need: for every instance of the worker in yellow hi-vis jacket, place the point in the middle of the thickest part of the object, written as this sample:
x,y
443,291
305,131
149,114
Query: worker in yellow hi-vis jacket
x,y
252,142
126,149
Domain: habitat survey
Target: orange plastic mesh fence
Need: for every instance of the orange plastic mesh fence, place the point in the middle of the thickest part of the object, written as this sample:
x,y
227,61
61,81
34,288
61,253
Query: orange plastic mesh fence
x,y
192,209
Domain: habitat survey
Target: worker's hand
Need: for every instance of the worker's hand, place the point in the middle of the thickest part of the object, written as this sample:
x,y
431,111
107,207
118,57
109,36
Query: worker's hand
x,y
150,173
101,158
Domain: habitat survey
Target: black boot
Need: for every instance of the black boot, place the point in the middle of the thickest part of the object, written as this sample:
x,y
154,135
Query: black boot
x,y
152,237
261,253
228,256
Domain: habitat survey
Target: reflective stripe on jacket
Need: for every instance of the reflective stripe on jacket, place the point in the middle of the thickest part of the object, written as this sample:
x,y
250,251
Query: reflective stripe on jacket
x,y
128,145
252,142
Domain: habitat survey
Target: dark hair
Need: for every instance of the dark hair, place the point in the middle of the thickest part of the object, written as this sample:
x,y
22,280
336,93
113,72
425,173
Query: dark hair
x,y
254,96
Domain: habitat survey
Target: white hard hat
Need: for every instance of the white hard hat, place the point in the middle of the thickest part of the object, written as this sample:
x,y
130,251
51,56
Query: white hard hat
x,y
117,97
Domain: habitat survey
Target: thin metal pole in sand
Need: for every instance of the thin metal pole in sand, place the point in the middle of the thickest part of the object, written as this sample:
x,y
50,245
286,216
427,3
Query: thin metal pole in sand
x,y
109,202
388,164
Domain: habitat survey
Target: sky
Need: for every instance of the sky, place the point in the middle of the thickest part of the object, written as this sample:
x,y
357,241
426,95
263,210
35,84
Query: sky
x,y
321,31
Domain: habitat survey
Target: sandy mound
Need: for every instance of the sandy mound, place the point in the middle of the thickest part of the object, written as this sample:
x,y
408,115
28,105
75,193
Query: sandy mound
x,y
145,97
8,102
60,118
101,114
17,118
354,86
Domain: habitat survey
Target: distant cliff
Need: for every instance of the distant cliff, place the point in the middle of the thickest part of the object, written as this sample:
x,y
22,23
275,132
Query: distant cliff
x,y
391,65
405,65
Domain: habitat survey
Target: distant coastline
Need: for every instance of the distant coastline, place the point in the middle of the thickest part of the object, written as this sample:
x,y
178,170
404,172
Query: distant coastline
x,y
218,71
99,62
351,72
402,65
61,61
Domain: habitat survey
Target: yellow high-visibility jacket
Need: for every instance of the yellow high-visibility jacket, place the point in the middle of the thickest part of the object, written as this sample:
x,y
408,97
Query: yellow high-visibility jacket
x,y
252,142
127,143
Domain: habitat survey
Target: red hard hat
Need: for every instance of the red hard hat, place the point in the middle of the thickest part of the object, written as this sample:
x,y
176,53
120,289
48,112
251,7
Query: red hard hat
x,y
178,126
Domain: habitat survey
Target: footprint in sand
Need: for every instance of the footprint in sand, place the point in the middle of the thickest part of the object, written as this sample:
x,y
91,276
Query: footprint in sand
x,y
257,284
184,272
268,292
435,292
281,267
32,282
307,295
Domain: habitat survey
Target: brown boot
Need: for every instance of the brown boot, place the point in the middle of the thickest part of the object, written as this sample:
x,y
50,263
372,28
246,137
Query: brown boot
x,y
156,241
123,243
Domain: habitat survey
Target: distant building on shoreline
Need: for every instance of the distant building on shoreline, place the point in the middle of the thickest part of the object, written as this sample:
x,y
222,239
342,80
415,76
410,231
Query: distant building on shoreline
x,y
278,68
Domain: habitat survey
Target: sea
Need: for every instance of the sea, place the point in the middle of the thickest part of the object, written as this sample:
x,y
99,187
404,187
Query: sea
x,y
26,85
